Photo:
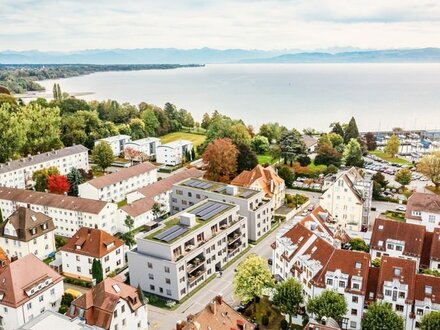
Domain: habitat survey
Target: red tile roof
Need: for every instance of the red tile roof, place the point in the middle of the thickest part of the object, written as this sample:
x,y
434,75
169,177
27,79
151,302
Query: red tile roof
x,y
299,235
94,243
434,253
422,202
421,284
373,278
426,250
266,177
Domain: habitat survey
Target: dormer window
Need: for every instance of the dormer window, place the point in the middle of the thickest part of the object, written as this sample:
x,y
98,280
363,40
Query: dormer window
x,y
356,286
380,243
78,247
397,271
380,227
428,289
44,226
358,265
33,231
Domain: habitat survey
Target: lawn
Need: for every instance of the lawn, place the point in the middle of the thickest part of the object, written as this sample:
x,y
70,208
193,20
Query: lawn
x,y
196,139
265,159
386,157
394,215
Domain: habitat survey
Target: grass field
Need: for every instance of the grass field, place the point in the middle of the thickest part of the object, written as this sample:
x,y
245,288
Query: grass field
x,y
265,159
386,157
196,139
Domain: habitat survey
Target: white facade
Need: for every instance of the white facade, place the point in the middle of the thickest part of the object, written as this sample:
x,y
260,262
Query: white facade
x,y
173,153
428,219
18,173
116,142
125,319
146,146
173,269
393,248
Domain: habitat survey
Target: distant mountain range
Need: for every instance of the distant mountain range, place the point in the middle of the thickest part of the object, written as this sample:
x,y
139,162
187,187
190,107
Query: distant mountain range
x,y
210,56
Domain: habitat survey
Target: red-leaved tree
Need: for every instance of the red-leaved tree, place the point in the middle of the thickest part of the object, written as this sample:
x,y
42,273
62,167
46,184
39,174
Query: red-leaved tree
x,y
58,184
221,160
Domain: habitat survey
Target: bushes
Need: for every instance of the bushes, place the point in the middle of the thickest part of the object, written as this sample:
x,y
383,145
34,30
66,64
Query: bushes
x,y
284,324
265,320
78,282
59,242
63,309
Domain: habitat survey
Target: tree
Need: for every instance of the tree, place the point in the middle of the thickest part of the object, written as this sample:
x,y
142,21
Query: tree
x,y
392,147
430,321
403,176
97,272
292,145
304,160
288,297
137,127
331,169
358,244
337,128
272,131
150,121
74,178
206,121
327,155
353,154
251,278
430,167
380,179
337,141
13,130
287,175
221,159
128,236
380,316
351,131
246,158
329,304
370,140
102,155
157,210
260,144
40,177
58,184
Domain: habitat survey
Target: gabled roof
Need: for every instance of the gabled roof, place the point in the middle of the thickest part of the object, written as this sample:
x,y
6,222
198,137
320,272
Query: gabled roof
x,y
23,274
421,290
412,235
266,177
309,141
138,207
100,302
299,235
373,279
24,220
94,243
422,202
123,174
434,253
4,259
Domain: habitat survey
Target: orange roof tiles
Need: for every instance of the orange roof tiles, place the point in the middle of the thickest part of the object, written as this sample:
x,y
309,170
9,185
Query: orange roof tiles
x,y
434,253
427,287
266,177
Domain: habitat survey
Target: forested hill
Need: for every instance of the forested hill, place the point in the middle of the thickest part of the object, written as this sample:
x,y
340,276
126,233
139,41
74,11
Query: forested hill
x,y
20,78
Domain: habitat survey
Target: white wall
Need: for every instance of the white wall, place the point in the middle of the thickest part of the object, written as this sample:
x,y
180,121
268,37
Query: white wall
x,y
41,246
126,319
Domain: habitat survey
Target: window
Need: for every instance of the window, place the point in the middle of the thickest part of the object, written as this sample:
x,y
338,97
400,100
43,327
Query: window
x,y
380,243
402,295
398,247
167,281
167,269
399,308
168,292
355,299
390,246
150,276
387,292
77,258
353,325
396,271
356,286
151,287
29,306
354,311
329,281
107,258
428,289
78,269
41,298
149,265
123,322
358,265
341,284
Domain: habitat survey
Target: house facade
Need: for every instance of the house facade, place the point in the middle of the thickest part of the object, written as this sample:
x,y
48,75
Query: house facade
x,y
423,209
173,153
146,146
116,142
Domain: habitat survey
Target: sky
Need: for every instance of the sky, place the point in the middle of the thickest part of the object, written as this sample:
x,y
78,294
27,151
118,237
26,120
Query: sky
x,y
66,25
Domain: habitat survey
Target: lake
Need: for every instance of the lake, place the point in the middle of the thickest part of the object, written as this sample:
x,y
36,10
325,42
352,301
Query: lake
x,y
380,96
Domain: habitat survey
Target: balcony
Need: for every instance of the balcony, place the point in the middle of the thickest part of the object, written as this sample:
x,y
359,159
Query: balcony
x,y
195,263
233,248
193,277
234,237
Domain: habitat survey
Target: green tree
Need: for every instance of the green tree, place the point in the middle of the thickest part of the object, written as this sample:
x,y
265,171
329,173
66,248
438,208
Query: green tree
x,y
102,155
429,166
380,179
40,177
393,145
128,236
351,132
74,178
251,278
137,127
246,158
327,155
71,105
97,272
329,304
287,175
337,141
337,128
380,316
157,210
240,134
403,176
13,130
430,321
288,297
260,144
150,121
358,244
292,145
353,154
272,131
370,140
206,121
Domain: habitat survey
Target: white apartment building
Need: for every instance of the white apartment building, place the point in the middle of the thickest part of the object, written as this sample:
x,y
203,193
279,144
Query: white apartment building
x,y
187,249
116,142
173,153
348,198
54,320
146,146
111,305
253,205
68,213
424,209
26,231
114,187
28,287
88,244
426,298
18,173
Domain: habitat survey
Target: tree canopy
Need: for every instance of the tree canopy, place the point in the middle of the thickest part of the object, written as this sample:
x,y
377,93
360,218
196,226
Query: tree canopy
x,y
403,176
291,145
430,321
351,131
380,316
246,158
392,147
288,297
329,304
221,159
102,155
429,166
353,154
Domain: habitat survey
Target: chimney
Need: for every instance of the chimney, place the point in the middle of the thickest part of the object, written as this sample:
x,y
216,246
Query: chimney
x,y
180,325
271,185
213,306
219,299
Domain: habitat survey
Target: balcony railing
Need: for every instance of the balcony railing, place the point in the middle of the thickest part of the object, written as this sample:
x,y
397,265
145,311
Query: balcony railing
x,y
194,277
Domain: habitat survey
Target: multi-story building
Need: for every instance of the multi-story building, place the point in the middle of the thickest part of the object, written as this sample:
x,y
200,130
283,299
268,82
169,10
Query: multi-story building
x,y
28,287
253,204
348,198
88,244
423,209
68,213
18,173
266,179
114,187
116,142
146,147
173,153
434,253
397,239
26,231
54,320
188,248
426,297
111,305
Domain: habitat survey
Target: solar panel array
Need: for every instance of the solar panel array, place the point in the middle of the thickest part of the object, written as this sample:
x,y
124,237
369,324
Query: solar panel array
x,y
246,194
209,210
172,233
219,189
198,184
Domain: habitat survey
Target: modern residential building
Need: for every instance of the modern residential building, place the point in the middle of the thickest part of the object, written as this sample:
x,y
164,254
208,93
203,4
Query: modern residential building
x,y
348,197
145,146
266,179
28,287
18,173
88,244
26,231
216,315
68,213
116,142
114,187
111,305
173,153
423,209
254,206
54,320
311,143
397,239
188,248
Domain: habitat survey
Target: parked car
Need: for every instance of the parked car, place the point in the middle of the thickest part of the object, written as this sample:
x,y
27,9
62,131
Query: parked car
x,y
401,208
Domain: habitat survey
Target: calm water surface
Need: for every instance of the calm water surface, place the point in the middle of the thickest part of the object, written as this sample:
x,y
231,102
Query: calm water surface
x,y
380,96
